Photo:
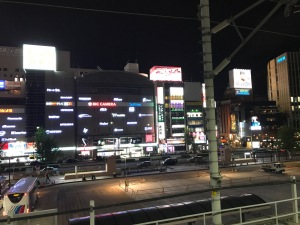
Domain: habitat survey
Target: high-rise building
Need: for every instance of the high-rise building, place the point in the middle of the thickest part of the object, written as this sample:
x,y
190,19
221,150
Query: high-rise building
x,y
284,86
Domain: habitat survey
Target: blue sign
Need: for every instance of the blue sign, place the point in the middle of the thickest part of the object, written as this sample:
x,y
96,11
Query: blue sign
x,y
281,59
137,104
242,92
2,84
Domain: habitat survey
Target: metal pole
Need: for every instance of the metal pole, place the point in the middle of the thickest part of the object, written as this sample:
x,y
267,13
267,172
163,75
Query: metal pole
x,y
92,212
215,177
294,196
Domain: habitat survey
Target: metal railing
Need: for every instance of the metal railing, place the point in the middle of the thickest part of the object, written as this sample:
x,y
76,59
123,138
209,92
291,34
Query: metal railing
x,y
276,212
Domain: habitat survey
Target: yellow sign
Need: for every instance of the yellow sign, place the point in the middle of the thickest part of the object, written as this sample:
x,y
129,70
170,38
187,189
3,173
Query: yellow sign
x,y
6,110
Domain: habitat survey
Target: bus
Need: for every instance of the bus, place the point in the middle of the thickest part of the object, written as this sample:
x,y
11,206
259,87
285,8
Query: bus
x,y
22,197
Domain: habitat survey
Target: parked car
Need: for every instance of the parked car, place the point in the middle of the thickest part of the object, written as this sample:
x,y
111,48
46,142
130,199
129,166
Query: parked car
x,y
169,161
51,170
144,164
71,160
197,160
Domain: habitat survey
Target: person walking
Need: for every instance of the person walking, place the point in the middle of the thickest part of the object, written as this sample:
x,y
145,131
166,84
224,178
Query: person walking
x,y
47,177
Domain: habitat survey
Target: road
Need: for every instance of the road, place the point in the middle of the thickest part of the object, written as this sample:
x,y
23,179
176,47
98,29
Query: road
x,y
152,190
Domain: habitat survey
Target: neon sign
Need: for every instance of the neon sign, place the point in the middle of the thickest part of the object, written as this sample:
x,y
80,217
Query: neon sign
x,y
106,104
6,110
281,59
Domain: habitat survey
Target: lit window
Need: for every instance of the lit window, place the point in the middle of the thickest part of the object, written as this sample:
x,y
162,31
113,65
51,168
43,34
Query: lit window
x,y
292,99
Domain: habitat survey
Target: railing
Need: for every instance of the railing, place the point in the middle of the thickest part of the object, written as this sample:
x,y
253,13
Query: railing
x,y
276,212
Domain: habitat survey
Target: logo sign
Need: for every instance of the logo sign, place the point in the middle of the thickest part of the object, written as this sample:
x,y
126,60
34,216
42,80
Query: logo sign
x,y
161,112
6,110
101,104
240,78
242,92
165,73
281,59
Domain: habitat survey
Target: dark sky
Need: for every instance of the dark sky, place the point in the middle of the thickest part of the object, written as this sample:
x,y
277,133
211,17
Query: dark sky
x,y
109,33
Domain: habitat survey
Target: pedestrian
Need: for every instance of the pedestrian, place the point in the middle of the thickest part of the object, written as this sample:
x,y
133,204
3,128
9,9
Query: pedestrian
x,y
126,185
93,177
47,177
83,178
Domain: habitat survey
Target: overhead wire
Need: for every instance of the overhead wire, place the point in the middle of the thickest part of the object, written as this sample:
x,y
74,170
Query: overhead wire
x,y
140,14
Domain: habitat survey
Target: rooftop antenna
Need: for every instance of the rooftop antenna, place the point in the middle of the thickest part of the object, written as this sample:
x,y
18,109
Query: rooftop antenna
x,y
99,68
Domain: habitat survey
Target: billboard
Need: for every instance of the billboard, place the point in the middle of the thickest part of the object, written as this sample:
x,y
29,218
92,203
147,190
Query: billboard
x,y
165,73
37,57
255,124
240,78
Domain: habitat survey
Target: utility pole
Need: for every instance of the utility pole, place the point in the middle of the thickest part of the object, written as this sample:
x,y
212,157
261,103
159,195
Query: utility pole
x,y
209,73
210,120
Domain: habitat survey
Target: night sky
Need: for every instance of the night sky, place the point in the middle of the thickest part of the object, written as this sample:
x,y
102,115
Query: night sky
x,y
110,33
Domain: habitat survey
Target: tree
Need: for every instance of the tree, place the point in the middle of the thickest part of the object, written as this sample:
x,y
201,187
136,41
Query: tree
x,y
46,146
286,138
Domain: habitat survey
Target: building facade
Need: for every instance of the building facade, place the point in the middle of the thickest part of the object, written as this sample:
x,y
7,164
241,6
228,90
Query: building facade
x,y
284,86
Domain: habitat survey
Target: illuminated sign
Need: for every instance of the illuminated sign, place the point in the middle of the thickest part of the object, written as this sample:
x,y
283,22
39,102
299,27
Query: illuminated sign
x,y
117,115
118,130
118,99
2,84
147,100
53,117
142,115
8,126
53,131
165,73
36,57
131,123
194,114
106,104
233,122
160,95
66,124
53,90
85,98
103,123
161,112
240,78
2,133
17,132
135,104
66,97
103,109
66,110
161,130
255,124
59,103
148,128
84,116
131,109
242,92
281,59
14,118
6,110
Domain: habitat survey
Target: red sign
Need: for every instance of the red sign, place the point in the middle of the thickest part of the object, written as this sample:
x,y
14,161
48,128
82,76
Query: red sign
x,y
102,104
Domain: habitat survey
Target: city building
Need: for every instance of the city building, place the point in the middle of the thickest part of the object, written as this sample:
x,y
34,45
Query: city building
x,y
244,121
284,87
179,109
95,112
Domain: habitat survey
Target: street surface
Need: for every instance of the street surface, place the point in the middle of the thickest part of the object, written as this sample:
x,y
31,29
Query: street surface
x,y
153,190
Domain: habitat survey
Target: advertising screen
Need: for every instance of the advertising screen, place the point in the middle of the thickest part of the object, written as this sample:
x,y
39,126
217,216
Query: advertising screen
x,y
165,73
2,84
240,78
36,57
